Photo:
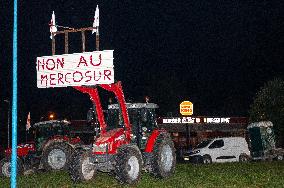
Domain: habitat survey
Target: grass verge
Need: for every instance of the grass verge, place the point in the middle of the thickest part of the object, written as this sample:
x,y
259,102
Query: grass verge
x,y
254,174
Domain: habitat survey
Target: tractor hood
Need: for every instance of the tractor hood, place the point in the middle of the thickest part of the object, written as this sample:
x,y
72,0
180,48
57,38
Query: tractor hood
x,y
110,136
22,149
109,142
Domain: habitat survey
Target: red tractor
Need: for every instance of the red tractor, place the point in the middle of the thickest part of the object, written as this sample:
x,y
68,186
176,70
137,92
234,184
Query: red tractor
x,y
50,149
122,147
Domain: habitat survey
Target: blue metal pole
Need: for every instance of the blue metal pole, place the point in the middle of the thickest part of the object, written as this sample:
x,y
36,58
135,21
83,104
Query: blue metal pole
x,y
14,102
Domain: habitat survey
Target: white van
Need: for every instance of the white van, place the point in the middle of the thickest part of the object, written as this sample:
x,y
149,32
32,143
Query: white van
x,y
228,149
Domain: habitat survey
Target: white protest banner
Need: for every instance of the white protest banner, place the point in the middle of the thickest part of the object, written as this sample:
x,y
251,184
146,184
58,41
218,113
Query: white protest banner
x,y
88,68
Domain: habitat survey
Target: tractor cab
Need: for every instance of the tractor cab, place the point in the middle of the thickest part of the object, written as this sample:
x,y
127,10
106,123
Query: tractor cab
x,y
43,131
142,117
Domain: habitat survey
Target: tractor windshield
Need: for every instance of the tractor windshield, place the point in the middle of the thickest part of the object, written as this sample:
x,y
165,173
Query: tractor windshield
x,y
114,119
151,119
142,119
141,116
45,130
48,130
134,119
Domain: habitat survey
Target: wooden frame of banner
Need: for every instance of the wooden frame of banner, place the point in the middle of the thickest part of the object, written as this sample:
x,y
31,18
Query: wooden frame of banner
x,y
82,30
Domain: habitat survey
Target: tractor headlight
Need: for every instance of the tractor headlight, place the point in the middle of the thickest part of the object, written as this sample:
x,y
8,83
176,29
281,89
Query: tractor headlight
x,y
100,147
121,137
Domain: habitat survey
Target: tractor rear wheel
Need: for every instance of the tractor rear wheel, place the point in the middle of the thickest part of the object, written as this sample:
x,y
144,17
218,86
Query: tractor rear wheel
x,y
57,156
80,168
163,162
5,165
128,164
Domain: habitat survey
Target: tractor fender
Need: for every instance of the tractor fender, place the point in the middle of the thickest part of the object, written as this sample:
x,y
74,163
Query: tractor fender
x,y
134,146
73,142
83,147
52,141
152,139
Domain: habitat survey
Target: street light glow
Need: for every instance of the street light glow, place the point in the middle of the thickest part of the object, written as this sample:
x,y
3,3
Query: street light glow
x,y
51,116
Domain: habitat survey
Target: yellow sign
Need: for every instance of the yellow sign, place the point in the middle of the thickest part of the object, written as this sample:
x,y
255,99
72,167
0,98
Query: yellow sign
x,y
186,108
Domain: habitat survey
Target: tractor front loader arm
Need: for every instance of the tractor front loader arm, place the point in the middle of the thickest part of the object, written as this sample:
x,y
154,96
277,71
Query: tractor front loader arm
x,y
95,98
116,88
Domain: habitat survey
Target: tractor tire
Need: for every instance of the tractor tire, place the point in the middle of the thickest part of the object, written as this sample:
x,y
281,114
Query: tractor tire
x,y
207,159
243,158
163,163
5,165
57,156
128,164
80,168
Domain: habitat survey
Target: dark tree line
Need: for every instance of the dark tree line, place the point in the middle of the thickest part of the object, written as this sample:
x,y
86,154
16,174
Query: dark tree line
x,y
268,105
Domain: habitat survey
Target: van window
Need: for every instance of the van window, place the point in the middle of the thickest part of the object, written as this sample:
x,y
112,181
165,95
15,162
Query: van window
x,y
203,144
217,144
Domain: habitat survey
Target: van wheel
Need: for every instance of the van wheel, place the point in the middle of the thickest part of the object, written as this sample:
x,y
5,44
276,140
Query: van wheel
x,y
243,158
279,157
207,159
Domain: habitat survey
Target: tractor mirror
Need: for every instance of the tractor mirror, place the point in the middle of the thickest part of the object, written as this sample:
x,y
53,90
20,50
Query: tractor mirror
x,y
90,115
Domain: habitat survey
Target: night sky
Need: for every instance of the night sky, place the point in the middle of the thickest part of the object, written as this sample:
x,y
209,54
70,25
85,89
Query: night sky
x,y
216,54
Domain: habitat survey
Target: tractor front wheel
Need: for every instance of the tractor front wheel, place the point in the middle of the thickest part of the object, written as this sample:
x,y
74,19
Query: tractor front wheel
x,y
128,164
5,165
164,157
57,156
81,169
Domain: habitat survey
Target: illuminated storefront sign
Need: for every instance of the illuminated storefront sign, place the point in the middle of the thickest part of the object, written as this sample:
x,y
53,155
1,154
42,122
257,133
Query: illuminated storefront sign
x,y
186,108
196,120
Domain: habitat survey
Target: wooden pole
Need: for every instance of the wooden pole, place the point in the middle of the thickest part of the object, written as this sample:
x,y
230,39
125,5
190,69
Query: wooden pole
x,y
82,30
66,43
83,41
97,40
53,44
74,30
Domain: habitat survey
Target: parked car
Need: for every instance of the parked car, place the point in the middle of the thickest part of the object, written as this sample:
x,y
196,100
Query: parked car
x,y
230,149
